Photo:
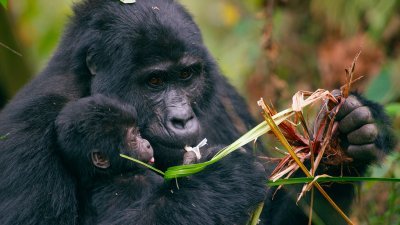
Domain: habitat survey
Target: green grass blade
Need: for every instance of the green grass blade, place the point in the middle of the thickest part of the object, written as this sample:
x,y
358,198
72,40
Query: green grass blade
x,y
142,163
187,170
304,180
3,3
262,128
255,218
3,137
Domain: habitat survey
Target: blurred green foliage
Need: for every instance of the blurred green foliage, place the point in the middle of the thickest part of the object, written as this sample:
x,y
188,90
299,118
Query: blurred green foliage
x,y
347,14
38,25
266,50
3,3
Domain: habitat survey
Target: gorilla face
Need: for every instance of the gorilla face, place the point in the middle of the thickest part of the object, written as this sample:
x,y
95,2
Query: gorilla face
x,y
160,66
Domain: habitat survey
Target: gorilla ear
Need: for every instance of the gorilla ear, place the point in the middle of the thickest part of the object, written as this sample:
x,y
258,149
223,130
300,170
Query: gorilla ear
x,y
100,160
90,64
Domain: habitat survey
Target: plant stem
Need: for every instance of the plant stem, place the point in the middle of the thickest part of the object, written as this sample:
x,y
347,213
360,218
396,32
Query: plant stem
x,y
304,180
256,214
311,207
142,163
286,144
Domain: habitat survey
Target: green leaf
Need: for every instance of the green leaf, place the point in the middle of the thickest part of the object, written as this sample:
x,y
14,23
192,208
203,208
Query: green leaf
x,y
142,163
3,3
393,109
262,128
382,88
3,137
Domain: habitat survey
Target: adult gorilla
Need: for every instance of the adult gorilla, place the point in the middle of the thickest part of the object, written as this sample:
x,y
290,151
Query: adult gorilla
x,y
150,55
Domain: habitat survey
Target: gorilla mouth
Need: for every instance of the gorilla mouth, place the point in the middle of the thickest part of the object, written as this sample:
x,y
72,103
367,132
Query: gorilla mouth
x,y
162,137
173,143
167,155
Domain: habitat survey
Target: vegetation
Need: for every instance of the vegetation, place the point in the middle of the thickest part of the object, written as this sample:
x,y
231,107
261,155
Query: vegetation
x,y
267,49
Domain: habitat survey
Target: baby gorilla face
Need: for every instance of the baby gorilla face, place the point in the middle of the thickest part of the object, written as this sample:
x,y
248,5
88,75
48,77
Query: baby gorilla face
x,y
135,146
139,146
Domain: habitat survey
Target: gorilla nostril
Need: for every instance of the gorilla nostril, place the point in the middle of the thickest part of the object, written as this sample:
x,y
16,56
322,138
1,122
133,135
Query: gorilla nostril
x,y
183,129
178,123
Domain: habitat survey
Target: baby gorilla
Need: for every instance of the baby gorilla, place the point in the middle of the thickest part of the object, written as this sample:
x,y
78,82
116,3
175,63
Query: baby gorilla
x,y
104,178
108,129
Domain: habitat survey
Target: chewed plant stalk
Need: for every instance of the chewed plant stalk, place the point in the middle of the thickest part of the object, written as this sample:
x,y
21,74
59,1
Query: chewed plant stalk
x,y
296,160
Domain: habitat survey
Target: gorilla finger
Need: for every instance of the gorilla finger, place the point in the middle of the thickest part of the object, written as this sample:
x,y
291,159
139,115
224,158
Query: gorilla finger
x,y
349,105
364,135
355,119
189,158
242,150
369,152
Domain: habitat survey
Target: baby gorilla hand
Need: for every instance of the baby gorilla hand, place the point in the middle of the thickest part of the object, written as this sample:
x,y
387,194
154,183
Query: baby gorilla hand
x,y
95,118
189,158
365,130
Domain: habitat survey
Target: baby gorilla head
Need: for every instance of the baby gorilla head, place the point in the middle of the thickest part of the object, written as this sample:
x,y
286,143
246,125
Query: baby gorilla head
x,y
94,131
135,146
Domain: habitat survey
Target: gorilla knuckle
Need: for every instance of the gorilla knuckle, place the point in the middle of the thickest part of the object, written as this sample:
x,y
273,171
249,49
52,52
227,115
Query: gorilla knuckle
x,y
365,134
370,131
365,153
352,102
363,114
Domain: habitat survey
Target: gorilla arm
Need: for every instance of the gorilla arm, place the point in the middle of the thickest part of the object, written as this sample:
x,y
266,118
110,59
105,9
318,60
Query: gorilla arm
x,y
224,193
34,187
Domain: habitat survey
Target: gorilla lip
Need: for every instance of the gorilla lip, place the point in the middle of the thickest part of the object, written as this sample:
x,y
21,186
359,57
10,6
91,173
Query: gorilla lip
x,y
152,160
169,142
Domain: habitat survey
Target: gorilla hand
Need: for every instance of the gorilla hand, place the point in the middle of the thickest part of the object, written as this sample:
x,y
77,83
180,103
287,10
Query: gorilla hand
x,y
365,130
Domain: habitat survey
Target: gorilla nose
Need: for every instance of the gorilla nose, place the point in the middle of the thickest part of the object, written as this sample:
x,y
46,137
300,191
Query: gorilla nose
x,y
183,124
180,123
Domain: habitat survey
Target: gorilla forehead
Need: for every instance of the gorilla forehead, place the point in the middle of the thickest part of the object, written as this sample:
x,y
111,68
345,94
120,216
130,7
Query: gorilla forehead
x,y
154,20
145,32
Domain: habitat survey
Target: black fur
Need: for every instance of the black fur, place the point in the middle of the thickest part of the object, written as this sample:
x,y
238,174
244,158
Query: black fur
x,y
283,201
96,123
226,197
122,40
115,49
125,193
386,141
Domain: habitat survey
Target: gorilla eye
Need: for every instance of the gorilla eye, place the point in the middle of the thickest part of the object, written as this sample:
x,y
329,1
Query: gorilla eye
x,y
185,74
155,81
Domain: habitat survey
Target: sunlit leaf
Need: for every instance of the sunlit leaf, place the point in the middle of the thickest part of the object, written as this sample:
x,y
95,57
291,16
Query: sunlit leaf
x,y
262,128
231,14
393,109
3,3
